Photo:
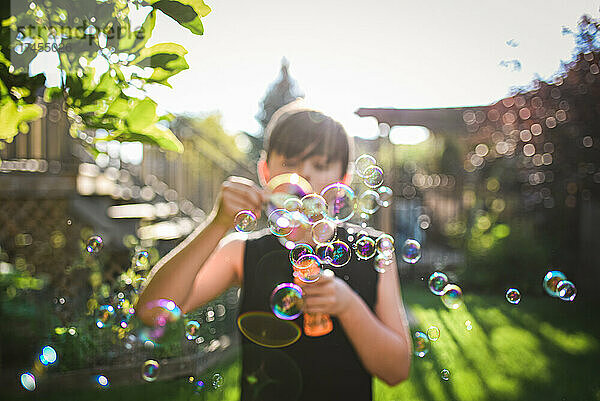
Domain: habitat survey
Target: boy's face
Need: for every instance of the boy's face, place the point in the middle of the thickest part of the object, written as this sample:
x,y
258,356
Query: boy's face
x,y
314,169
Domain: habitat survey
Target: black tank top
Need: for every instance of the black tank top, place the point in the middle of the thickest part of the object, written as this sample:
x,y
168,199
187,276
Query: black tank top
x,y
323,368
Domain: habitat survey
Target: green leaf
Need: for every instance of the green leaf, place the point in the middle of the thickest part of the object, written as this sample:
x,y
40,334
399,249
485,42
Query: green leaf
x,y
134,41
142,115
160,55
12,116
53,93
186,12
166,59
155,134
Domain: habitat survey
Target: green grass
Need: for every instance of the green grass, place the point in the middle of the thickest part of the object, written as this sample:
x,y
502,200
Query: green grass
x,y
541,349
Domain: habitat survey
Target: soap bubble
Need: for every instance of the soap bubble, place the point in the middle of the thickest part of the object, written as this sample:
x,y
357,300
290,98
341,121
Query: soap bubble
x,y
314,207
340,254
340,201
150,370
292,204
424,221
198,385
551,280
284,187
385,196
141,260
373,176
452,296
421,344
433,333
445,374
437,282
362,163
265,329
138,283
513,296
281,222
94,244
411,251
308,268
468,325
324,252
380,263
101,380
298,251
167,312
323,231
385,245
192,330
368,201
217,381
365,247
48,356
566,290
245,221
286,301
104,316
28,381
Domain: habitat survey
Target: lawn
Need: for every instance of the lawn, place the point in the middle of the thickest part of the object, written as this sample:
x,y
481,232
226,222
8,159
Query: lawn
x,y
540,349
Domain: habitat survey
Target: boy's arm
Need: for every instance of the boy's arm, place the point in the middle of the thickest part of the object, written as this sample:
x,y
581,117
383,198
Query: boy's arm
x,y
184,271
382,341
172,277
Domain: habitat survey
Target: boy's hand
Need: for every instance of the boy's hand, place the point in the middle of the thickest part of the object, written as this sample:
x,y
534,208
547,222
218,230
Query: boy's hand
x,y
329,294
237,194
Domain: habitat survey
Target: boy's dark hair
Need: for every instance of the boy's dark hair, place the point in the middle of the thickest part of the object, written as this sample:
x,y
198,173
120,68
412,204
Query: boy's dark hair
x,y
299,132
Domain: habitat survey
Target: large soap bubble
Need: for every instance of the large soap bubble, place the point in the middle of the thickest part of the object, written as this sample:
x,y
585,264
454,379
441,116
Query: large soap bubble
x,y
340,199
286,301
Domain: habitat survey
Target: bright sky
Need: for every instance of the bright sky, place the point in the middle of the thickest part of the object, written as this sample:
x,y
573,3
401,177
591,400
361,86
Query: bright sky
x,y
403,54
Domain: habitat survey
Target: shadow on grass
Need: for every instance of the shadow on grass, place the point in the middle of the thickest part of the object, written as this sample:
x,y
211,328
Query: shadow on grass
x,y
537,350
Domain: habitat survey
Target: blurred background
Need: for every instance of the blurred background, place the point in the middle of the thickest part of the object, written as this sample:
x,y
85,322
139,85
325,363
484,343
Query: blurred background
x,y
119,120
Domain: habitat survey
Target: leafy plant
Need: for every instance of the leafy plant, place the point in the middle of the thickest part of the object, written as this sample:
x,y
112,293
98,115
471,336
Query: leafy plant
x,y
104,65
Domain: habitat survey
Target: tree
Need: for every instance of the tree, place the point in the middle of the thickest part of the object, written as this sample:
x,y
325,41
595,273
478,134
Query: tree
x,y
281,92
104,64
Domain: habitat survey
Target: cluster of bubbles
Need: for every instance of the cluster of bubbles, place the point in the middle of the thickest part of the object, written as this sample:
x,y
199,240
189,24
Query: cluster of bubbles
x,y
450,294
556,285
293,204
366,168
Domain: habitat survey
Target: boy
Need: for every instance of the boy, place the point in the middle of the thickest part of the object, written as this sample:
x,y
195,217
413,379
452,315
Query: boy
x,y
370,335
